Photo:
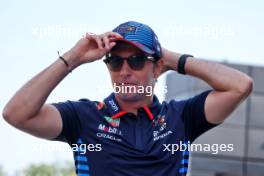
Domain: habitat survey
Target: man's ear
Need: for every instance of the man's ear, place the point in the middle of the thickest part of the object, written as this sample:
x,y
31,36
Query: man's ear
x,y
158,68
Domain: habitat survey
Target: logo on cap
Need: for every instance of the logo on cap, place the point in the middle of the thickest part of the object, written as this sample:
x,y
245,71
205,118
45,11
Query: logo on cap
x,y
126,29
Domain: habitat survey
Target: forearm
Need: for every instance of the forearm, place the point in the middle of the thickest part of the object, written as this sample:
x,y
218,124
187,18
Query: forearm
x,y
30,98
218,76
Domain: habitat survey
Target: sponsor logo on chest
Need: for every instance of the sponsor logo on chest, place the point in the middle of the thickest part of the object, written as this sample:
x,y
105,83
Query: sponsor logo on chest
x,y
109,129
113,122
109,132
161,132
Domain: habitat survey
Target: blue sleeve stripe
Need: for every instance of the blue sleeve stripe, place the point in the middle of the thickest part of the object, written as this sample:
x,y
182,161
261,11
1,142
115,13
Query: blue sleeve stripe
x,y
185,161
83,174
80,158
183,170
82,167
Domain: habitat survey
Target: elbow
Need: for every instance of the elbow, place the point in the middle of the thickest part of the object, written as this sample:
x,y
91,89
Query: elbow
x,y
9,117
246,87
6,115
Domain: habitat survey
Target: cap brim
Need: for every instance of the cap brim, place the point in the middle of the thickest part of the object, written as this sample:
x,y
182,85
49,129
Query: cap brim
x,y
143,48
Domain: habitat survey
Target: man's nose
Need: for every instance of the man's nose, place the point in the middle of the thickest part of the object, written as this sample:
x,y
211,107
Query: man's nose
x,y
125,70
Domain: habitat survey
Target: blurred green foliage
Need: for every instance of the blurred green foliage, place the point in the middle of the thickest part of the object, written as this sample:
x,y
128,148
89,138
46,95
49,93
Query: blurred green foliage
x,y
44,169
56,169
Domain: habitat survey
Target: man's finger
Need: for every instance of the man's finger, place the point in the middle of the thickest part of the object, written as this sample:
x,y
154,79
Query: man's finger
x,y
98,41
106,41
115,35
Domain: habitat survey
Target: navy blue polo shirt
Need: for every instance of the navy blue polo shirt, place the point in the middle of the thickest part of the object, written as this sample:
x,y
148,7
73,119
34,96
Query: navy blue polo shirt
x,y
108,141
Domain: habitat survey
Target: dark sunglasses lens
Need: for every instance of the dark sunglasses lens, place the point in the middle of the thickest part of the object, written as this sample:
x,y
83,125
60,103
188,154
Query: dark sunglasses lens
x,y
115,63
136,62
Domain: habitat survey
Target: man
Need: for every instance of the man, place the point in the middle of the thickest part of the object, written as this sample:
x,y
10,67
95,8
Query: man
x,y
125,134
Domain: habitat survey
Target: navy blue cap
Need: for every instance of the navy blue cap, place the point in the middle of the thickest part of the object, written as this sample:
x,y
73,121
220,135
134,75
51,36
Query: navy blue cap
x,y
141,36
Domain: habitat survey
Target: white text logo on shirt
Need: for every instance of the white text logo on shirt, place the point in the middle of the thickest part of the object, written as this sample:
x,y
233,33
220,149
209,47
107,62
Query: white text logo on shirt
x,y
113,104
161,123
108,133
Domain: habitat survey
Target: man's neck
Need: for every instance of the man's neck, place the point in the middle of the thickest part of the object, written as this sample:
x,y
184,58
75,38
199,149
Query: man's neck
x,y
133,106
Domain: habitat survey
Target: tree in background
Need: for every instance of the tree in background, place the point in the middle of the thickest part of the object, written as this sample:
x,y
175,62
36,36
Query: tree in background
x,y
2,173
56,169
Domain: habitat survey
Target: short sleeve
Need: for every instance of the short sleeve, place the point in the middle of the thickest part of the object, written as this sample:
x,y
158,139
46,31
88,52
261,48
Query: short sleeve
x,y
70,120
194,116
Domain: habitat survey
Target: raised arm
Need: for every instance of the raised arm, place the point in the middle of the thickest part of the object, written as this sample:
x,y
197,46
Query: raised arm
x,y
27,110
230,86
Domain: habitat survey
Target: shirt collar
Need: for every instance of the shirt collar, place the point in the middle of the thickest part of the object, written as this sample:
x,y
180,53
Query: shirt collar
x,y
116,112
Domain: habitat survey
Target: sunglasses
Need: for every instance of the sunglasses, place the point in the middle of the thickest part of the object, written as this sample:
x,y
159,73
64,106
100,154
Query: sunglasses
x,y
136,62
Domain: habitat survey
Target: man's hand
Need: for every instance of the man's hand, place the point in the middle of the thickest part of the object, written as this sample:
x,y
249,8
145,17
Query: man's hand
x,y
90,48
170,60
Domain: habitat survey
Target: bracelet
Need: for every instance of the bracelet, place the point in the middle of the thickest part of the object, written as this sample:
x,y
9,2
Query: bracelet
x,y
181,63
65,62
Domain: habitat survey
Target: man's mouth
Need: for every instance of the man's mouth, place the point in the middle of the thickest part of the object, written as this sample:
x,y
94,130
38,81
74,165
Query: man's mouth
x,y
126,83
129,83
